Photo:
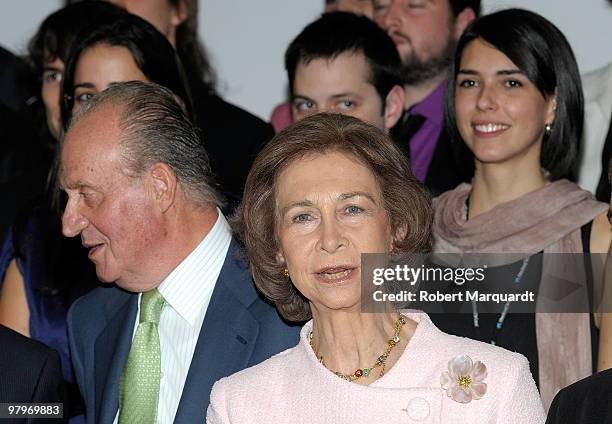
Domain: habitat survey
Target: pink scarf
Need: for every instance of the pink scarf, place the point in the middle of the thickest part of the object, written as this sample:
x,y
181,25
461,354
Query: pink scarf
x,y
548,219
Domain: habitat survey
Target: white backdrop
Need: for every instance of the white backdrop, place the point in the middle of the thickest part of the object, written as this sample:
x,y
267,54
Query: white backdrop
x,y
247,38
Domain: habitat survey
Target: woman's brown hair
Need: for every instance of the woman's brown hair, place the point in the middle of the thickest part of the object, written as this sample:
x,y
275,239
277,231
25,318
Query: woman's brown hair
x,y
405,200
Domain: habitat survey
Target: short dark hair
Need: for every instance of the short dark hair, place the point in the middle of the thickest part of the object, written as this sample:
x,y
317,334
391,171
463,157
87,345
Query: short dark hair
x,y
151,51
155,128
458,6
407,203
541,51
339,32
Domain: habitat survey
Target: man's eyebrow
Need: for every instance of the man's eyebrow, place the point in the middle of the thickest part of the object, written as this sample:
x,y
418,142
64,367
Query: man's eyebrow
x,y
77,185
346,94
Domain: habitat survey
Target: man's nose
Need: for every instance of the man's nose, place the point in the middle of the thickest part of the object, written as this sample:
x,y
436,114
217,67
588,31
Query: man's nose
x,y
73,222
391,21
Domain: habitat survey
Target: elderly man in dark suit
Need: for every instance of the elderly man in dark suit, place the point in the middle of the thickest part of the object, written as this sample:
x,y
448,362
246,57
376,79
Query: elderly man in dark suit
x,y
183,312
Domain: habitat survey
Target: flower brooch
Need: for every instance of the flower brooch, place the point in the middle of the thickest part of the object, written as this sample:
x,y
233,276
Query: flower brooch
x,y
464,379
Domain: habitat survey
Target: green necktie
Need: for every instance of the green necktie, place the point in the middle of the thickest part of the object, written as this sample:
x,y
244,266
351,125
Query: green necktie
x,y
139,382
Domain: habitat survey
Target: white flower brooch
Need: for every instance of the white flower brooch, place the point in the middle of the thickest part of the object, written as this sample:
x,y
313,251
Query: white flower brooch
x,y
464,379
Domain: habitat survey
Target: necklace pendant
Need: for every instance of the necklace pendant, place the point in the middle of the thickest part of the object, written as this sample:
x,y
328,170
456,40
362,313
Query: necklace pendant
x,y
366,372
358,373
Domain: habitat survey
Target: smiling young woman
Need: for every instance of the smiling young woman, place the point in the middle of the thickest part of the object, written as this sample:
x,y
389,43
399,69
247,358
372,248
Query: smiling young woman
x,y
514,97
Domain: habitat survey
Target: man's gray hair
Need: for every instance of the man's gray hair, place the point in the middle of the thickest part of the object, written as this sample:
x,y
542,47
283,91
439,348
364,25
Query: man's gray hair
x,y
155,128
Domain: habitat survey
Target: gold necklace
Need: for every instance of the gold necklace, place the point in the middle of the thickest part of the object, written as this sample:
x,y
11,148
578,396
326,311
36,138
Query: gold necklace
x,y
380,361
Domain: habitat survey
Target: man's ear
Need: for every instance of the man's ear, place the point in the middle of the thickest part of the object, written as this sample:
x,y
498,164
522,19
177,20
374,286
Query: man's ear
x,y
394,106
462,20
162,185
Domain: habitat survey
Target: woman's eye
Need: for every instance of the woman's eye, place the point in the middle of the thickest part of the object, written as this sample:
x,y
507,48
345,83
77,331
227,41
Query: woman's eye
x,y
353,210
304,105
303,217
84,97
52,76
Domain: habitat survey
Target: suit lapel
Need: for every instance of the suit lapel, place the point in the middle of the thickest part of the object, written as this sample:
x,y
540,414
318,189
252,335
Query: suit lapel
x,y
226,340
111,351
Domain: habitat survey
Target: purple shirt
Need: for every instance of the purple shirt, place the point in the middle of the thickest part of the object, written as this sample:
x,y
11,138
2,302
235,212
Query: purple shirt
x,y
424,142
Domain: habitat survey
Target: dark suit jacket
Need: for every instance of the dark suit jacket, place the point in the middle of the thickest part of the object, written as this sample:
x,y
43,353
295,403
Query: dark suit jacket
x,y
232,138
240,330
30,372
16,81
589,401
452,163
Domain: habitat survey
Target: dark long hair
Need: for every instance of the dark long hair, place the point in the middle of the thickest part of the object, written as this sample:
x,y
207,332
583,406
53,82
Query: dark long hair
x,y
542,52
151,51
53,40
200,73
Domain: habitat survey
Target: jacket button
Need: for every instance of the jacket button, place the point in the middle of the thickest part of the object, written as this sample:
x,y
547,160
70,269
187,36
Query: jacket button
x,y
418,409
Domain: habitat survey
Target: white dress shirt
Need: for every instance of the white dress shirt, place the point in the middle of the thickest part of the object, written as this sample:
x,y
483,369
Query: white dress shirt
x,y
187,291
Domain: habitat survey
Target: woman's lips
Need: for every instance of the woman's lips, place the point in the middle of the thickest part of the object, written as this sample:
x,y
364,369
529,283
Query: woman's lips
x,y
488,129
335,275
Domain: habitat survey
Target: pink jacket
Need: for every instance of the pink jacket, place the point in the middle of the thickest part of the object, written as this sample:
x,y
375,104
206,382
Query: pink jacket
x,y
293,387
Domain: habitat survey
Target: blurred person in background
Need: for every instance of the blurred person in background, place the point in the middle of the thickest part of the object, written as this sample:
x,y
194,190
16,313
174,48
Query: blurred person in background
x,y
281,115
344,63
425,33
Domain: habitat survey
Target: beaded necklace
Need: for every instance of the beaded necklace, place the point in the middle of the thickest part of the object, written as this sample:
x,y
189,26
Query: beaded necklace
x,y
517,280
380,361
500,321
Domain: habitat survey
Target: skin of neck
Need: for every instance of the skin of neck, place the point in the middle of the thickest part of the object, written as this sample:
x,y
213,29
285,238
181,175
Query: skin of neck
x,y
350,340
494,183
418,93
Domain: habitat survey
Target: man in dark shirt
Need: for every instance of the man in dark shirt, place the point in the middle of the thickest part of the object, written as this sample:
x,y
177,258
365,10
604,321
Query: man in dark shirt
x,y
425,33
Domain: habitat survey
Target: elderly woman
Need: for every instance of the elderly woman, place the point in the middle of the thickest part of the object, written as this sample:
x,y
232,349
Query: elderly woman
x,y
514,97
320,194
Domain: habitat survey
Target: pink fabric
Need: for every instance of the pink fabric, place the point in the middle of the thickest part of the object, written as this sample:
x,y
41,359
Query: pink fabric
x,y
293,387
548,219
281,117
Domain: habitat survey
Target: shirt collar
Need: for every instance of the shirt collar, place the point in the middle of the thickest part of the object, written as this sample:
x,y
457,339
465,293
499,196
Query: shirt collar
x,y
189,286
432,107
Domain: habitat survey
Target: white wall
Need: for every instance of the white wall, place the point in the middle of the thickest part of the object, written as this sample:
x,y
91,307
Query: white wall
x,y
247,38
